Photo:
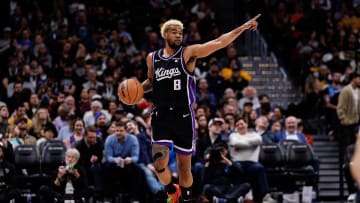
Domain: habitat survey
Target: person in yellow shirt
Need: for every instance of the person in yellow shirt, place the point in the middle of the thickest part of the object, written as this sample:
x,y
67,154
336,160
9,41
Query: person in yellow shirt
x,y
19,113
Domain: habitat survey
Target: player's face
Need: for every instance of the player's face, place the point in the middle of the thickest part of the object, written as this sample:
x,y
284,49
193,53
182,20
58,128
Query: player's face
x,y
174,37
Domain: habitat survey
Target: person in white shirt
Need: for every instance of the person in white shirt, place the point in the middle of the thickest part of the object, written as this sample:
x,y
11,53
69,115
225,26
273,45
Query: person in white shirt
x,y
244,147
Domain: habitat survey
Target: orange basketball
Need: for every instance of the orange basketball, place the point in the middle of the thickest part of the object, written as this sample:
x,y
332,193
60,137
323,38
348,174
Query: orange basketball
x,y
130,91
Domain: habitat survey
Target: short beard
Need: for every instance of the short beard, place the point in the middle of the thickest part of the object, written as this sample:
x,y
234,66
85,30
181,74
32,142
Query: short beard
x,y
174,46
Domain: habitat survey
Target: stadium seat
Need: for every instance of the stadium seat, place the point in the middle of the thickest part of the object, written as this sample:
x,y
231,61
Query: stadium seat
x,y
300,165
28,174
52,157
27,159
272,157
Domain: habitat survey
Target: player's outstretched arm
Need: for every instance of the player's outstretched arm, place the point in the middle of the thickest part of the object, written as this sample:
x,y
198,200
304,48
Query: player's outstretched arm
x,y
148,83
203,50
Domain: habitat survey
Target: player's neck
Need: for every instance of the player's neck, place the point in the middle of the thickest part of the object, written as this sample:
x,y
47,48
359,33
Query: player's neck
x,y
168,51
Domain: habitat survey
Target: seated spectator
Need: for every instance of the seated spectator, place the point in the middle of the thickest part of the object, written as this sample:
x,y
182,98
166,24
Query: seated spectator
x,y
219,176
276,127
24,132
244,153
7,149
145,159
67,130
78,133
202,129
13,136
91,154
101,125
121,171
249,95
72,174
40,120
206,97
18,96
204,143
96,107
63,116
291,131
92,82
262,127
47,134
19,113
7,179
4,116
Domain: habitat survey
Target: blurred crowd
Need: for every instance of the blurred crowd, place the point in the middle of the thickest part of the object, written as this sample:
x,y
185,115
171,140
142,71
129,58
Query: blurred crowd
x,y
61,62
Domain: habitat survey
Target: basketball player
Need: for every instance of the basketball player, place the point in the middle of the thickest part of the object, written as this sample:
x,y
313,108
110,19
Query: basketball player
x,y
171,78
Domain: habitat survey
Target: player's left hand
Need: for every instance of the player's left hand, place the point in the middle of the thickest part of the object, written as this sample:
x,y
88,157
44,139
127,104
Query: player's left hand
x,y
252,23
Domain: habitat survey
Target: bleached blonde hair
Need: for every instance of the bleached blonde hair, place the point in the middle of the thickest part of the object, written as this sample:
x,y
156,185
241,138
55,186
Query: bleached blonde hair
x,y
169,23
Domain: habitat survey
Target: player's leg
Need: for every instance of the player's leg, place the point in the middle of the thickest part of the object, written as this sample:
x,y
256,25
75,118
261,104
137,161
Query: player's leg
x,y
185,176
161,160
160,155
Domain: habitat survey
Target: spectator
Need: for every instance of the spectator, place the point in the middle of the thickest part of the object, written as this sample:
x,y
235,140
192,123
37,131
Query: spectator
x,y
237,78
277,115
92,81
331,97
67,130
84,102
276,127
205,97
219,176
262,127
204,143
250,95
11,74
70,101
215,81
47,134
4,116
72,173
7,179
101,125
91,153
145,160
202,127
265,106
23,132
41,120
109,90
348,110
18,96
69,81
291,131
78,127
7,149
244,152
63,116
96,107
34,105
122,154
18,114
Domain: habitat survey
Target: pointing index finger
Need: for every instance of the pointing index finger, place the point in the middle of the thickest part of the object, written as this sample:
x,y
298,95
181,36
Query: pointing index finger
x,y
256,17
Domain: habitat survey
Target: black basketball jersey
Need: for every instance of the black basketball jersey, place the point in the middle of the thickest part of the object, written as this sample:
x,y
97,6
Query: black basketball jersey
x,y
173,84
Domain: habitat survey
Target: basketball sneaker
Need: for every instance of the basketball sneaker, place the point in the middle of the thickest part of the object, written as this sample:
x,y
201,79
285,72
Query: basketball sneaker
x,y
175,197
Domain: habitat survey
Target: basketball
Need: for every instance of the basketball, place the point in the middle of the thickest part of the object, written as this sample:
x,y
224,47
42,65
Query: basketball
x,y
130,91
